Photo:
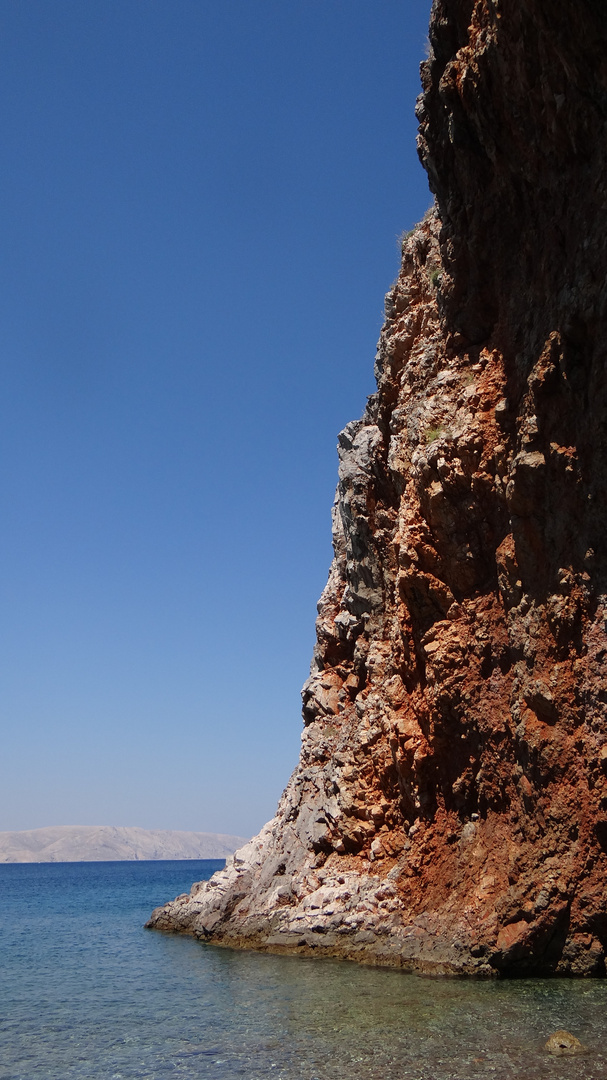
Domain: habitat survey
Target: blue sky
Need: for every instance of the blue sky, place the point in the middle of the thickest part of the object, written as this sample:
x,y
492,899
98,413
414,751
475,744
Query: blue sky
x,y
199,222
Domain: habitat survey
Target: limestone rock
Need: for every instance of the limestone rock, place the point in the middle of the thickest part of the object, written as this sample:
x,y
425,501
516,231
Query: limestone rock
x,y
449,810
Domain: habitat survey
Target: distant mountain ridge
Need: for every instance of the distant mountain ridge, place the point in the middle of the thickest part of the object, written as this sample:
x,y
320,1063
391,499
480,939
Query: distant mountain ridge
x,y
109,843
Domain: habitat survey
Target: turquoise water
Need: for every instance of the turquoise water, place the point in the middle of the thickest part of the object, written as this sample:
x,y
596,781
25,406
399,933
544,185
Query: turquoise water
x,y
85,992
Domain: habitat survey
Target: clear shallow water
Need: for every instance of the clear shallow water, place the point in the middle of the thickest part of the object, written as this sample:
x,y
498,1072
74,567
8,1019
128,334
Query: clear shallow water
x,y
85,992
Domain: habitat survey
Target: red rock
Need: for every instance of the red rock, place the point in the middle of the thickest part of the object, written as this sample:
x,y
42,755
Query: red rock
x,y
456,717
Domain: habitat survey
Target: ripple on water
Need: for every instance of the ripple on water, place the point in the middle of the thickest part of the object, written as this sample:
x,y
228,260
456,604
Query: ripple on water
x,y
87,993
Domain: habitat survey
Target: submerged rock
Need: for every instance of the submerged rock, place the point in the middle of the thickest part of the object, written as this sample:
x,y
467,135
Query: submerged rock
x,y
563,1043
449,810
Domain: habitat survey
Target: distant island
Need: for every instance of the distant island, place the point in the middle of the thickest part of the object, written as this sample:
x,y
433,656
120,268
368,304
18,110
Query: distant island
x,y
110,843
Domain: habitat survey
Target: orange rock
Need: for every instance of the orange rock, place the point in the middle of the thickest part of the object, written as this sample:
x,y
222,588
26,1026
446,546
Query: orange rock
x,y
456,715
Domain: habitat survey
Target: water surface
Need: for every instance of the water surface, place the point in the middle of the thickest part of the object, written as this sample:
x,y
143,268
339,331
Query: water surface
x,y
86,992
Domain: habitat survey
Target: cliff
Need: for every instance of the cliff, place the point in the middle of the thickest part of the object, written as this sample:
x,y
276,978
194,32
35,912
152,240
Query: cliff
x,y
449,811
110,843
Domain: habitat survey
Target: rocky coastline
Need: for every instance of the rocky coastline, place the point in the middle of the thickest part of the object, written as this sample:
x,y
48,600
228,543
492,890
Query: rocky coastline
x,y
448,814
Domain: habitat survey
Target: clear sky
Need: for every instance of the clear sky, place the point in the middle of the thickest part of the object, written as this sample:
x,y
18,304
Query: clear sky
x,y
201,204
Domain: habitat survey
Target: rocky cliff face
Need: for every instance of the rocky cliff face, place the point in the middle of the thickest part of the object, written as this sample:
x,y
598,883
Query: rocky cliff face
x,y
449,811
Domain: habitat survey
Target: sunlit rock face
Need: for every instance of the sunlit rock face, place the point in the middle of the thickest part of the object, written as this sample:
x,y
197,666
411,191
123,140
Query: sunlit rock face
x,y
449,810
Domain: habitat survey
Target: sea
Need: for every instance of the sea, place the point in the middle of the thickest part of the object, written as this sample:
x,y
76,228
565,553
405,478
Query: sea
x,y
87,993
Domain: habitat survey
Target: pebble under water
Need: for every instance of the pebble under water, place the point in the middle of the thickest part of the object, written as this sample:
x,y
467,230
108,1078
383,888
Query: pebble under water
x,y
86,992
